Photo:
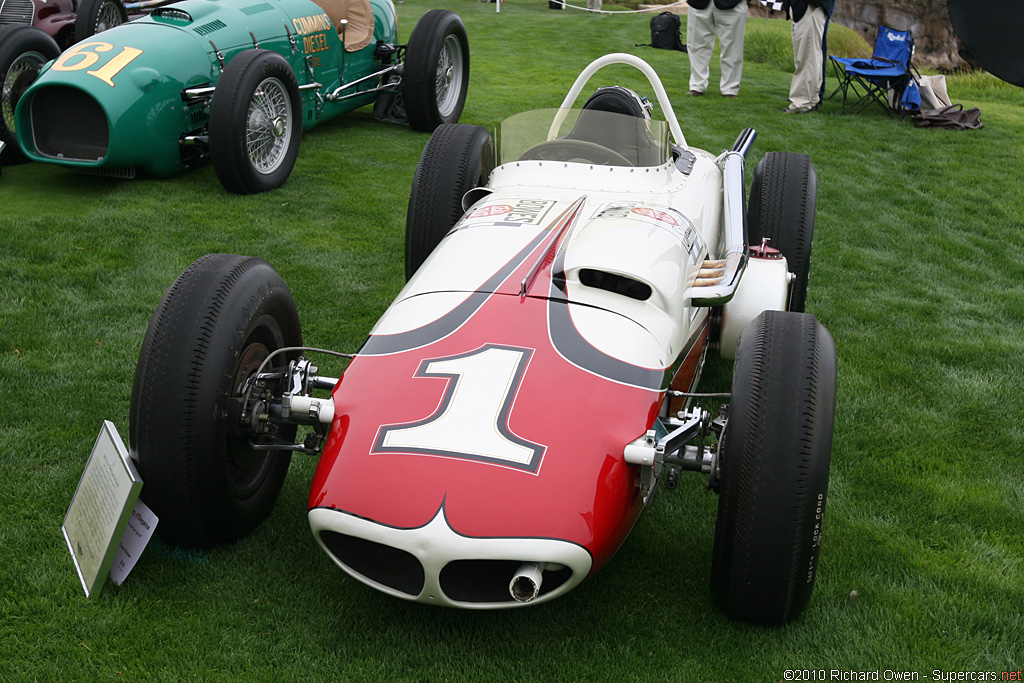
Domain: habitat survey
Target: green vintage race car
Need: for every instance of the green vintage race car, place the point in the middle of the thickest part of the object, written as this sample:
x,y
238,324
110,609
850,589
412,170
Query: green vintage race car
x,y
233,80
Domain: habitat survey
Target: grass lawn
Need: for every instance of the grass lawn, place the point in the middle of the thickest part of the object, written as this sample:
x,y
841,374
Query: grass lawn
x,y
918,270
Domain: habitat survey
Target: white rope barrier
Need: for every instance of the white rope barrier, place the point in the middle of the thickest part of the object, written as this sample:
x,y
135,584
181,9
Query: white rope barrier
x,y
658,8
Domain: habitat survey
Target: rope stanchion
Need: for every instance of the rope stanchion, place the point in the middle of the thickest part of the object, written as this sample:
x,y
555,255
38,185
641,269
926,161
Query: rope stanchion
x,y
659,8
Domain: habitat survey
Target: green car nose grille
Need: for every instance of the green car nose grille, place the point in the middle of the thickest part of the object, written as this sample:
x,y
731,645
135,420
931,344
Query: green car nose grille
x,y
16,11
68,124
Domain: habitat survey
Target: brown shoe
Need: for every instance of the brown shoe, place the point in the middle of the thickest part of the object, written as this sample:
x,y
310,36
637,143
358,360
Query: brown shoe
x,y
695,93
731,97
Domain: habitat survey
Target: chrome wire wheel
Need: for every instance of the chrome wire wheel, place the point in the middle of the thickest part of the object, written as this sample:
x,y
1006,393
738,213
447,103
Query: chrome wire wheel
x,y
23,52
448,83
269,125
109,16
19,77
255,122
436,75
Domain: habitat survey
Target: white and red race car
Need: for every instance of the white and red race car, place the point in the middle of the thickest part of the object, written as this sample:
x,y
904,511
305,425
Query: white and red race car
x,y
508,418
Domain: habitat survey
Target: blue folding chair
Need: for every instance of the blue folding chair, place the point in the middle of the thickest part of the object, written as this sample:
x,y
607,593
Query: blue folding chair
x,y
863,81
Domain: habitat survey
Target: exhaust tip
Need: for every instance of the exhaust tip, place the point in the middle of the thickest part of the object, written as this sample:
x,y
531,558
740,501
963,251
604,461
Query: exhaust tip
x,y
525,584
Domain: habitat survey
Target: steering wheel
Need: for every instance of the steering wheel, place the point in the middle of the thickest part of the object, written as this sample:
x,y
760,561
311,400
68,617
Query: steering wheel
x,y
575,150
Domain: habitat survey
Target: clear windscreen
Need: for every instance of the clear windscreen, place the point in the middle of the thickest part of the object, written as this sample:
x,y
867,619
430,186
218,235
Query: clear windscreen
x,y
582,136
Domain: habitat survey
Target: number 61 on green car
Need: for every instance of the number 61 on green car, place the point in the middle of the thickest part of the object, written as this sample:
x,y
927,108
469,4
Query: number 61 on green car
x,y
235,81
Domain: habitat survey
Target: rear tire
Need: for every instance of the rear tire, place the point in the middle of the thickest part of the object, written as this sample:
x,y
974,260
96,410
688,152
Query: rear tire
x,y
23,51
775,455
436,76
96,16
255,123
783,196
218,321
457,158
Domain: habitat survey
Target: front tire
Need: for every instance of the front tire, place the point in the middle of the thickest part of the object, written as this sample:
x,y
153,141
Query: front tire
x,y
23,52
255,123
457,158
783,196
436,76
219,320
96,16
774,455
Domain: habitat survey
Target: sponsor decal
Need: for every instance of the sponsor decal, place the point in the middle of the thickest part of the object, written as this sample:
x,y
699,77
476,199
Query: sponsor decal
x,y
313,30
659,216
488,211
637,212
521,212
315,43
313,24
528,211
664,216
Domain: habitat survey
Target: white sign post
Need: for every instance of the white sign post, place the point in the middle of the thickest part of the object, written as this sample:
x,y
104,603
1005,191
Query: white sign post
x,y
98,516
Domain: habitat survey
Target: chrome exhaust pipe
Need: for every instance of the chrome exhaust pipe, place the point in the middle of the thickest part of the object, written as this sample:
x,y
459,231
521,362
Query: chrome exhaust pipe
x,y
525,584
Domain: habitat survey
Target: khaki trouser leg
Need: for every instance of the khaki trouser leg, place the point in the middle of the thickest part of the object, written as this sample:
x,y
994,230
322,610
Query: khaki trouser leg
x,y
731,24
806,84
700,41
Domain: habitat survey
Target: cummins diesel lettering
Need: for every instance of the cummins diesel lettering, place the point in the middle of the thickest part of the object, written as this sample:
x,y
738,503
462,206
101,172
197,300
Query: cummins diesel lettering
x,y
313,31
314,43
313,24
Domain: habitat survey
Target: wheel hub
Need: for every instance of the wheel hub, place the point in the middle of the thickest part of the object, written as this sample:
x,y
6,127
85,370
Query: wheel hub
x,y
248,363
278,125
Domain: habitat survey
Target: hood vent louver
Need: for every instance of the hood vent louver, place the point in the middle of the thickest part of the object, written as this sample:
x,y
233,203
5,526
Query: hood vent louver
x,y
256,9
210,27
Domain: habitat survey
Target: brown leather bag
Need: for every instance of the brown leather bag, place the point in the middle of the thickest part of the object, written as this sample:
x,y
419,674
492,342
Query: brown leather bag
x,y
953,117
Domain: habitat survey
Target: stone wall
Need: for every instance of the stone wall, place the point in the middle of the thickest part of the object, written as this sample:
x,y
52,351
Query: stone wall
x,y
935,44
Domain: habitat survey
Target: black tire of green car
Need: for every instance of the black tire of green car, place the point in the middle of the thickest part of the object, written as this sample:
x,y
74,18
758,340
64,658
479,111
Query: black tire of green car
x,y
457,158
436,76
257,85
23,52
783,196
774,460
220,319
96,16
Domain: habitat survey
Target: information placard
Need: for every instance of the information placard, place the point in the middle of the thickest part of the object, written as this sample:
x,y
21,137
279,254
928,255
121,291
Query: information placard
x,y
99,511
141,525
